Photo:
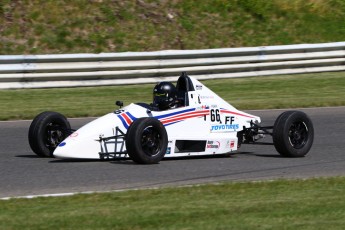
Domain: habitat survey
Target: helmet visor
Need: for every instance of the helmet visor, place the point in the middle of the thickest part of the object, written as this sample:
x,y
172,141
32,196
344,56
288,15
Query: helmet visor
x,y
158,98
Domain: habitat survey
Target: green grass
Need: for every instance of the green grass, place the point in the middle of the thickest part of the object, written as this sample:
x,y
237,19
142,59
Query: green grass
x,y
92,26
282,204
285,91
80,26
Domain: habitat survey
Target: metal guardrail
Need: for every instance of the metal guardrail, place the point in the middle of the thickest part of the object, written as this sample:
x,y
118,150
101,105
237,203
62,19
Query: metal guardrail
x,y
75,70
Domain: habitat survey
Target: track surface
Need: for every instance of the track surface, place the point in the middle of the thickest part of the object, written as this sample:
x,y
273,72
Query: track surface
x,y
22,173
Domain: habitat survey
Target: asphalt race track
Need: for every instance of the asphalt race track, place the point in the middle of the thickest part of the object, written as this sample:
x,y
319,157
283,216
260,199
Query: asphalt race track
x,y
23,174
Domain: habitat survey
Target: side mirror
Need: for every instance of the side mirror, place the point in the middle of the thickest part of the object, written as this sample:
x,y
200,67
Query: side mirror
x,y
119,103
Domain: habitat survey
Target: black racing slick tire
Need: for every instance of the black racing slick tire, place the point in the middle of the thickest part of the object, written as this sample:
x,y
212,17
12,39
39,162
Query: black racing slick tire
x,y
293,134
146,141
47,131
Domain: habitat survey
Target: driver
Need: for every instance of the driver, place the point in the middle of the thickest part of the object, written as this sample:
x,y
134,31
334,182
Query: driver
x,y
165,96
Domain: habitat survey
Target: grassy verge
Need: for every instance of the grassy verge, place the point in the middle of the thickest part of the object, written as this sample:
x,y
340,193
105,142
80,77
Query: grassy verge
x,y
288,91
293,204
93,26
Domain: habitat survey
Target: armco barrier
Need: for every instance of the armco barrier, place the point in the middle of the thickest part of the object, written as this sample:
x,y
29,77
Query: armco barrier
x,y
74,70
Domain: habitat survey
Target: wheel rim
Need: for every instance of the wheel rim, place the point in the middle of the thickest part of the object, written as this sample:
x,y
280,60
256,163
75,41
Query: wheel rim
x,y
151,141
55,135
298,134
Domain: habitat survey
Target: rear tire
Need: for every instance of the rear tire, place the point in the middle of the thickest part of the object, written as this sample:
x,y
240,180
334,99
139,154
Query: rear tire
x,y
146,141
293,134
46,132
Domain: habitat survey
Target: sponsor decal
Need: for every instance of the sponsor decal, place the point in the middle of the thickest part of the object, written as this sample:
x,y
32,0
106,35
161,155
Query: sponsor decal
x,y
232,144
168,150
213,144
207,97
203,107
75,134
119,111
62,144
198,87
225,127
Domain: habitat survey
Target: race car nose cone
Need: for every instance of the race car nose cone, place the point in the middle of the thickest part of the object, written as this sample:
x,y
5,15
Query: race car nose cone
x,y
61,155
62,151
86,148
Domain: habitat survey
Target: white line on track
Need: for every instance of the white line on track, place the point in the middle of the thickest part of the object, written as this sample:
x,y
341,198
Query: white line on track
x,y
61,194
131,189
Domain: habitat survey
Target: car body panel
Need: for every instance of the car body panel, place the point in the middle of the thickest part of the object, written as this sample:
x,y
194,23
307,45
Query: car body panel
x,y
207,125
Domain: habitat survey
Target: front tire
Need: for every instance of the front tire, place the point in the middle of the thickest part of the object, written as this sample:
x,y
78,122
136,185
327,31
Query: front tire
x,y
293,134
46,132
146,141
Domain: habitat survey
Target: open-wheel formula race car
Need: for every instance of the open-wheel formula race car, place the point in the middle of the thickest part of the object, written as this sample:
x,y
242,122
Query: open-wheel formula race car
x,y
202,124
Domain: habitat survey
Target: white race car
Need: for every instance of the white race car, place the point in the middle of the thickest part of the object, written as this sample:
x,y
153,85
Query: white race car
x,y
202,124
